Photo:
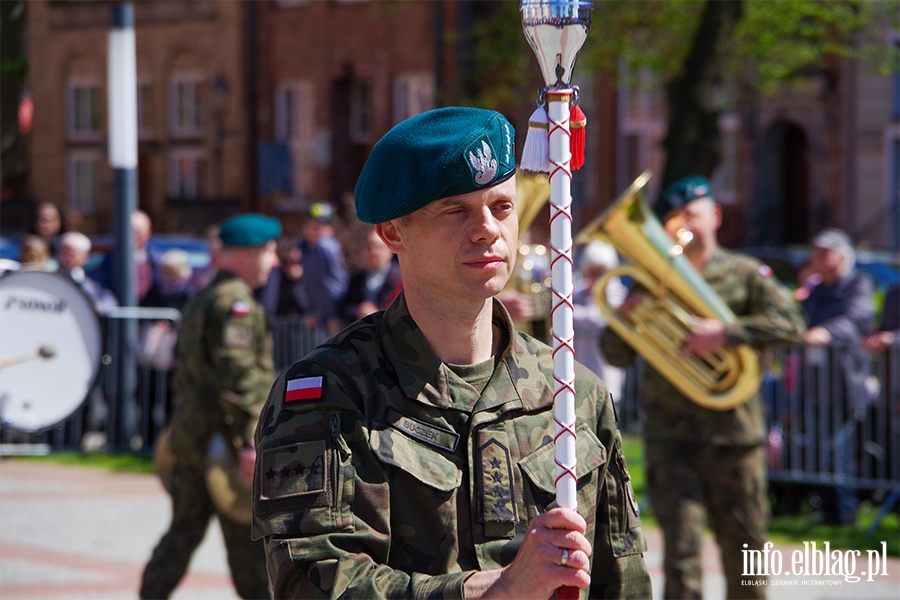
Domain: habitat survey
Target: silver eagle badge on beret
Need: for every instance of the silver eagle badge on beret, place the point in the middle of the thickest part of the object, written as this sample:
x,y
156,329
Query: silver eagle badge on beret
x,y
482,163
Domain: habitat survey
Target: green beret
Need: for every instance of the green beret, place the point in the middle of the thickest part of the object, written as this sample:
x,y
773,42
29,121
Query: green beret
x,y
681,193
249,229
437,154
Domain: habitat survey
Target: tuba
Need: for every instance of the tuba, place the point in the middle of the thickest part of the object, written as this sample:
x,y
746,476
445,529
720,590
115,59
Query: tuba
x,y
531,275
657,327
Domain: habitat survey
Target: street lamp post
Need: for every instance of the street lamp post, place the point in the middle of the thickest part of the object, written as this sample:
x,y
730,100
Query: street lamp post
x,y
123,158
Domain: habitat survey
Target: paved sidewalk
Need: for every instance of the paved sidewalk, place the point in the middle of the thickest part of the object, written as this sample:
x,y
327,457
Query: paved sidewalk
x,y
78,533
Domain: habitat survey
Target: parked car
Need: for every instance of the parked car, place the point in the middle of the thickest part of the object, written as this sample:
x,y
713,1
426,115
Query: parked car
x,y
196,248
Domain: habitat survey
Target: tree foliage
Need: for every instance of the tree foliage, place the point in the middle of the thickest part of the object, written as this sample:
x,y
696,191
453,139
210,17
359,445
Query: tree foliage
x,y
760,44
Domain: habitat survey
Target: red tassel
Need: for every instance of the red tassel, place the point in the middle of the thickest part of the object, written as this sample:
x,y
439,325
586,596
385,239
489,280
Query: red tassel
x,y
577,124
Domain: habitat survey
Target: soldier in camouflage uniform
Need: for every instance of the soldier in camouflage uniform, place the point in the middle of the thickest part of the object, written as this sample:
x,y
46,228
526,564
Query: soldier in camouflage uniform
x,y
224,371
412,454
703,463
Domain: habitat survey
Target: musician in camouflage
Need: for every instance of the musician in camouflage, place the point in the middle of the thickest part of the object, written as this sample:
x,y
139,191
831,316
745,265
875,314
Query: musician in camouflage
x,y
705,464
223,373
412,454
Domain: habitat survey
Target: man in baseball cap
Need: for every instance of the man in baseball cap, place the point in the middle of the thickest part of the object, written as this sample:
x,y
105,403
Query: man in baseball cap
x,y
425,420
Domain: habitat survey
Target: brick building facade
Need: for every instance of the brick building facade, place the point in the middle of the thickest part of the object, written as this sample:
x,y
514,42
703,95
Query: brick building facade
x,y
267,105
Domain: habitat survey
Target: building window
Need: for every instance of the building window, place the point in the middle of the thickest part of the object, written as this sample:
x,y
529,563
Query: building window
x,y
145,108
294,111
361,111
84,110
83,182
295,127
187,173
186,108
413,94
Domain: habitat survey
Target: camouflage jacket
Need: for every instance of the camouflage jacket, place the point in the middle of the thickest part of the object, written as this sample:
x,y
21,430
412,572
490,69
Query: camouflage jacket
x,y
381,474
767,316
224,366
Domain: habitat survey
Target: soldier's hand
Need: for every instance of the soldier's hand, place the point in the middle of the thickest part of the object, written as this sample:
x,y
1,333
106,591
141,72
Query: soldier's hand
x,y
538,569
878,342
707,337
630,303
816,336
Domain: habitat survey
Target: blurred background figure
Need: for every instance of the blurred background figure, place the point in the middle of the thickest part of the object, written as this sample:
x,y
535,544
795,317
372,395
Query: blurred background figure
x,y
74,251
156,347
596,259
144,268
324,275
174,285
48,224
34,254
284,295
839,311
839,308
376,285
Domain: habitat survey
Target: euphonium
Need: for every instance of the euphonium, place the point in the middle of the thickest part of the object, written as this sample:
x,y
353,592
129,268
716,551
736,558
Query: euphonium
x,y
532,269
657,327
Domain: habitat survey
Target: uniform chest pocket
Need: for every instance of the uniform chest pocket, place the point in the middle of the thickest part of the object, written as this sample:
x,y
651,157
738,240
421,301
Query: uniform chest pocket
x,y
422,499
414,459
539,468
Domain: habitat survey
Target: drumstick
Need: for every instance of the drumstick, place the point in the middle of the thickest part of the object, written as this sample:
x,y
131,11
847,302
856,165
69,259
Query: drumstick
x,y
45,351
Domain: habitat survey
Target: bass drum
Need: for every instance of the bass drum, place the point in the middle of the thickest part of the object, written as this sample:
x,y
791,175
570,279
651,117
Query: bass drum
x,y
50,349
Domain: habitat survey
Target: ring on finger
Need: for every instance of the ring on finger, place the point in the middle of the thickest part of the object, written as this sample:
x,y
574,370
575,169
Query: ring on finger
x,y
564,559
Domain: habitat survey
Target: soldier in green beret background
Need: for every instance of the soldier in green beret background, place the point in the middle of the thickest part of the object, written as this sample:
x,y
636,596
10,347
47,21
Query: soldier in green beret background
x,y
222,375
704,463
412,454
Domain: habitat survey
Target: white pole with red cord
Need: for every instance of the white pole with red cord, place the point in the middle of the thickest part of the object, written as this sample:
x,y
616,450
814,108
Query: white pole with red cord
x,y
556,30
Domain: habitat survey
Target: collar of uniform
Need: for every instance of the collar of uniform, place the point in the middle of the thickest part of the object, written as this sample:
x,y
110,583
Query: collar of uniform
x,y
717,262
222,275
421,374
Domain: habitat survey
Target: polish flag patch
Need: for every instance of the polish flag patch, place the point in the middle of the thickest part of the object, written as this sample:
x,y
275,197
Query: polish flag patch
x,y
303,388
241,309
765,270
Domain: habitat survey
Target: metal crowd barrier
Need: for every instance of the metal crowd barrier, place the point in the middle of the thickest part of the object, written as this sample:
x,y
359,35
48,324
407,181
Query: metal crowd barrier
x,y
833,413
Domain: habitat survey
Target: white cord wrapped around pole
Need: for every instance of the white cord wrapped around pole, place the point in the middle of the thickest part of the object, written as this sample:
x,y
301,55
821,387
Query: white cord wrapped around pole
x,y
562,312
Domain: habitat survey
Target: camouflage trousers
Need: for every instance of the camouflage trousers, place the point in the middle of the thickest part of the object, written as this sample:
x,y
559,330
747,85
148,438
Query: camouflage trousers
x,y
192,509
690,484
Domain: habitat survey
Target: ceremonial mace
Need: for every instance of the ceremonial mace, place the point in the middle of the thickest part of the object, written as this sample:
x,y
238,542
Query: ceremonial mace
x,y
556,30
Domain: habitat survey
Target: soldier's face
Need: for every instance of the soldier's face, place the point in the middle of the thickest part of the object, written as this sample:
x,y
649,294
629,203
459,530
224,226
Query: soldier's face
x,y
701,217
261,261
459,247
